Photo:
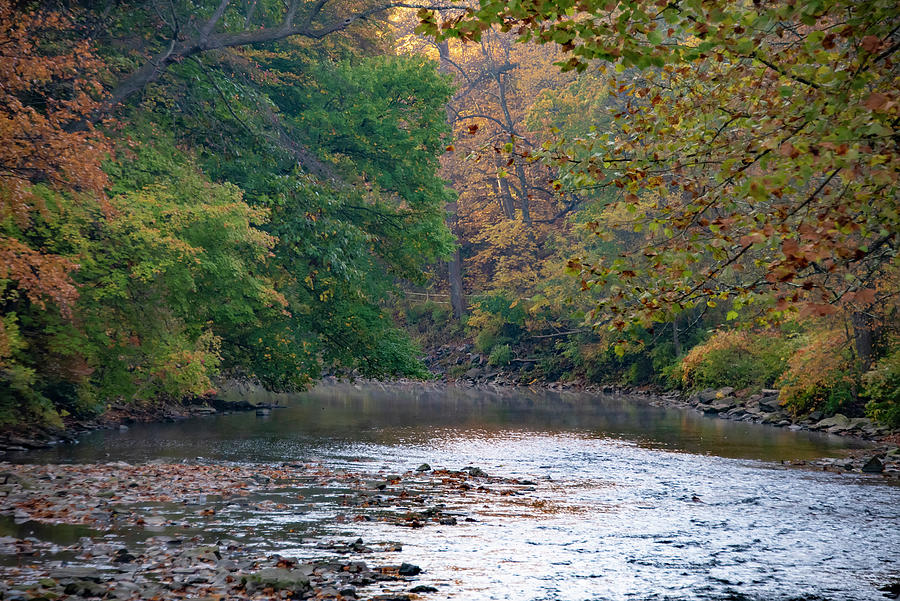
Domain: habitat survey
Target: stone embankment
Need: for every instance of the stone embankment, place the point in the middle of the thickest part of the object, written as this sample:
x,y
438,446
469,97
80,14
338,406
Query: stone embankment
x,y
765,408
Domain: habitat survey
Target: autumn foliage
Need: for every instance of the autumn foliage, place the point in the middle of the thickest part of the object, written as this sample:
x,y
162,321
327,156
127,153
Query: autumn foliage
x,y
181,201
50,91
736,165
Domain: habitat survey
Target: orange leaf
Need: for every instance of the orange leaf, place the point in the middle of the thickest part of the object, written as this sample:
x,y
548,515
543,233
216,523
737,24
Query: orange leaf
x,y
875,101
870,43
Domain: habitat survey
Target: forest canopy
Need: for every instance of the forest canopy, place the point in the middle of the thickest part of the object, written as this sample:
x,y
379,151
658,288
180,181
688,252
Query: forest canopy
x,y
193,191
679,194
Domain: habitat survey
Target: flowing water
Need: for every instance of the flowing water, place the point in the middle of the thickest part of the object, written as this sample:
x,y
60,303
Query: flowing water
x,y
629,501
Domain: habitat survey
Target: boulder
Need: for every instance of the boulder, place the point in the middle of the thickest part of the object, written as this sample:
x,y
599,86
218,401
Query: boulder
x,y
717,408
279,579
728,401
408,569
860,423
770,403
873,466
706,396
830,422
773,418
724,392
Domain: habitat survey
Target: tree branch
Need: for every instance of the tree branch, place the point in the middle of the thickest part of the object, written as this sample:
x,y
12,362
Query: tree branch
x,y
207,40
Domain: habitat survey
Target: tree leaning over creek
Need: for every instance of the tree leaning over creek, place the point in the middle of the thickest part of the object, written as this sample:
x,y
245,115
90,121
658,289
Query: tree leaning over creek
x,y
755,150
229,188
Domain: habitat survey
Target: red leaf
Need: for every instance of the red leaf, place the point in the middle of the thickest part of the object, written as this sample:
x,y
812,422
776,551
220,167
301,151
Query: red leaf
x,y
875,101
870,43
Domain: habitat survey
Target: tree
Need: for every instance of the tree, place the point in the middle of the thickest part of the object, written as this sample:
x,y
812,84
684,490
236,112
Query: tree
x,y
755,149
41,57
258,195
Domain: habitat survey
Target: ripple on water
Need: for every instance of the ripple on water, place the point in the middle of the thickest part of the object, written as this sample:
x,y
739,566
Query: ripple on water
x,y
629,501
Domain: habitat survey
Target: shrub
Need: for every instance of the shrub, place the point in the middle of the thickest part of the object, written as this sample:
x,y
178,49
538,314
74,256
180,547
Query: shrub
x,y
881,385
496,319
501,355
737,358
457,371
485,340
415,312
820,375
440,313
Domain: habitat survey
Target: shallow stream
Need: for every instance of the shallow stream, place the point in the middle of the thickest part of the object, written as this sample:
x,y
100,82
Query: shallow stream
x,y
629,501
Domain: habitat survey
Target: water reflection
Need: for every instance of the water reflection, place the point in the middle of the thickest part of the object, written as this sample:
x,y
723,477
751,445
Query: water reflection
x,y
631,502
336,415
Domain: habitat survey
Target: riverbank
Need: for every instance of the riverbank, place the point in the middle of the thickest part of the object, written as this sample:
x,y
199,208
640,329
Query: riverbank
x,y
234,397
461,364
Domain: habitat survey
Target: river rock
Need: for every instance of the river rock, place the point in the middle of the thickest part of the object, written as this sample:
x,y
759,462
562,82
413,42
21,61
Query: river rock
x,y
830,422
770,403
859,423
123,556
408,569
724,392
126,590
716,408
424,468
78,573
773,418
873,466
726,403
279,579
423,588
706,396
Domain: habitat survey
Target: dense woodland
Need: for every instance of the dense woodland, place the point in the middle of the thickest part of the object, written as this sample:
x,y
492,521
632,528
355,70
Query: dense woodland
x,y
680,194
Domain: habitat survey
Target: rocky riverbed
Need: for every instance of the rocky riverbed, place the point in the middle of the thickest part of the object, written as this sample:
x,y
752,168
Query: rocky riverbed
x,y
606,496
156,530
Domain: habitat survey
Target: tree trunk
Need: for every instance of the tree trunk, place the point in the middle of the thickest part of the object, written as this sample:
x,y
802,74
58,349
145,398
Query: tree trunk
x,y
506,200
524,200
675,339
511,132
454,274
865,334
454,266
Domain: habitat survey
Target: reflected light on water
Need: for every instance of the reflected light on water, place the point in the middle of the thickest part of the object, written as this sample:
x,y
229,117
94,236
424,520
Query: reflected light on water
x,y
628,501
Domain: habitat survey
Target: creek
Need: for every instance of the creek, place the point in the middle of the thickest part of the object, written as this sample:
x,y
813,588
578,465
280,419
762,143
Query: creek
x,y
624,500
